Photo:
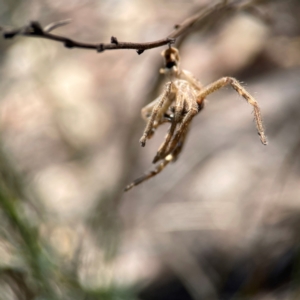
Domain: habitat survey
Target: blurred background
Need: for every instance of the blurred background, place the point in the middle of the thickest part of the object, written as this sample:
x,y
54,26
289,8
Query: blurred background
x,y
221,223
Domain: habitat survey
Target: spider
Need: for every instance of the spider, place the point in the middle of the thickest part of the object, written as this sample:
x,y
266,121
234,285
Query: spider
x,y
182,99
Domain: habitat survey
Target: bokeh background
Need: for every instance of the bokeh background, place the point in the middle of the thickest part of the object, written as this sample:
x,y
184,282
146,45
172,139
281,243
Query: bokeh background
x,y
221,223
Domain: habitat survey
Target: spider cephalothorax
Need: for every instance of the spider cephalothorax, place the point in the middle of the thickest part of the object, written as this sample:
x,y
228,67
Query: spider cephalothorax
x,y
183,98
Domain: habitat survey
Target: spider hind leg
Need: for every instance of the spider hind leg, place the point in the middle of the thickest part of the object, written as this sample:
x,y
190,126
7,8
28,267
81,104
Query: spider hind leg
x,y
209,89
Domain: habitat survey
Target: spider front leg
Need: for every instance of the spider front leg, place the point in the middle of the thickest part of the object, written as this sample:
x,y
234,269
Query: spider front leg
x,y
159,109
242,91
169,158
181,131
146,114
157,170
162,149
186,107
178,112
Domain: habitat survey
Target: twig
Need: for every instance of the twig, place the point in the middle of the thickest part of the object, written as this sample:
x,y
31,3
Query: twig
x,y
189,22
55,25
34,29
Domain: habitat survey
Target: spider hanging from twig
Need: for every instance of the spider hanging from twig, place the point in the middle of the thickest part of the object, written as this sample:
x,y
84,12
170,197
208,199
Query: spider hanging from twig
x,y
182,99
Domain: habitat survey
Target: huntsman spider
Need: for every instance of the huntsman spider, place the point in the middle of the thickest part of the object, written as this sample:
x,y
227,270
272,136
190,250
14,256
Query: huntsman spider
x,y
182,99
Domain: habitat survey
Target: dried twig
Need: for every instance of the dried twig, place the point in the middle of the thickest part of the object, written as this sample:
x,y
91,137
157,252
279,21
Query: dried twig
x,y
189,22
34,29
55,25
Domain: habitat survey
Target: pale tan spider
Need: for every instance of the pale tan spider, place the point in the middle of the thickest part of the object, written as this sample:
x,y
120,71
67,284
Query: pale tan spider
x,y
182,99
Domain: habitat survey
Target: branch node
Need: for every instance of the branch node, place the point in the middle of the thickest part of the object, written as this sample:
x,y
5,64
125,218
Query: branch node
x,y
139,51
68,43
176,26
100,48
10,35
114,40
36,28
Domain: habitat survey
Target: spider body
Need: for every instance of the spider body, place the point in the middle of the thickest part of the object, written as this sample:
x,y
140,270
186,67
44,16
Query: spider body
x,y
182,99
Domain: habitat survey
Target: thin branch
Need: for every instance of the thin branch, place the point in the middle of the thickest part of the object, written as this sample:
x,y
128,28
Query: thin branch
x,y
34,29
189,22
55,25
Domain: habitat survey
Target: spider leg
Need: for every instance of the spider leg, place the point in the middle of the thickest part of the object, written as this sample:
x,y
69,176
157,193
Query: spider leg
x,y
157,170
169,158
183,98
146,114
242,91
160,152
179,145
162,117
147,110
163,103
181,131
179,107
